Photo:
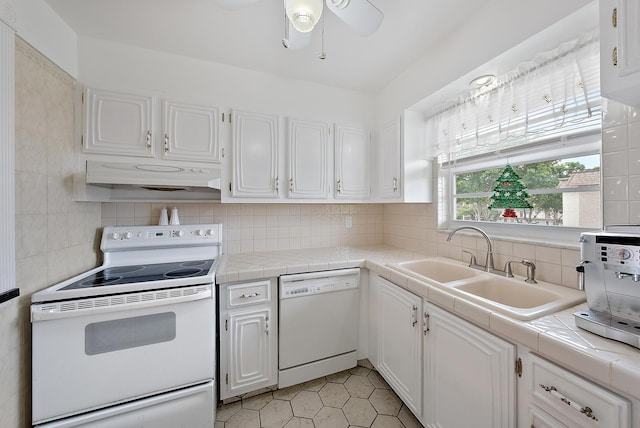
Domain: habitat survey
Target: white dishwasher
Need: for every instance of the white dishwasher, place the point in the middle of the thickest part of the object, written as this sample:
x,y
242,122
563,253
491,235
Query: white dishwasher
x,y
318,323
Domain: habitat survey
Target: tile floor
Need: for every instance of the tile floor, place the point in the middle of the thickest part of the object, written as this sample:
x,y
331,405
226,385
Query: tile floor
x,y
353,398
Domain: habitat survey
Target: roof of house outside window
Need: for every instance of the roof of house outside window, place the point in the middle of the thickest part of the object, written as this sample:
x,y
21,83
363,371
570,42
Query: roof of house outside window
x,y
580,179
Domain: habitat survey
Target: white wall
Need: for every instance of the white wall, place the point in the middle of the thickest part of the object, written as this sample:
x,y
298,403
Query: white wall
x,y
498,27
37,24
121,67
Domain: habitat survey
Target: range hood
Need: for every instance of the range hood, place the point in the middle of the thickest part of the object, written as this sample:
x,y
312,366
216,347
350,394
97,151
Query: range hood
x,y
151,182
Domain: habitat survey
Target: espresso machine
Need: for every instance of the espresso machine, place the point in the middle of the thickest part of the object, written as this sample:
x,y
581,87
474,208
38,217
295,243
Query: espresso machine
x,y
611,277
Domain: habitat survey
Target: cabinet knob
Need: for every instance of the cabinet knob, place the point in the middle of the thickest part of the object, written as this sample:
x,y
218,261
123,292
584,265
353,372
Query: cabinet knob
x,y
614,57
166,143
148,139
614,17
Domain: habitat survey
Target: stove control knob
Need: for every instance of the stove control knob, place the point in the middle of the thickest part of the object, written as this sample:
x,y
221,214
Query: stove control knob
x,y
128,235
115,235
211,232
622,253
200,232
179,232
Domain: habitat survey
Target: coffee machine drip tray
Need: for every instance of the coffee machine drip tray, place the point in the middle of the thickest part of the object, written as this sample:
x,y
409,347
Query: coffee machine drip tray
x,y
609,326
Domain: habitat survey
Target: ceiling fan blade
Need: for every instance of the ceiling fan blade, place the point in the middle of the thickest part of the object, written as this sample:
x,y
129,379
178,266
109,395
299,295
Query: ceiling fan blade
x,y
360,15
294,39
234,4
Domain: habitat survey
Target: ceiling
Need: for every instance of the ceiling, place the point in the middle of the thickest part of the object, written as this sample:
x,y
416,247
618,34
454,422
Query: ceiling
x,y
251,37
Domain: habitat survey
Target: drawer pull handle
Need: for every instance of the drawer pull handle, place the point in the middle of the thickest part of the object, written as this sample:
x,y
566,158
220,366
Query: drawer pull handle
x,y
585,410
246,296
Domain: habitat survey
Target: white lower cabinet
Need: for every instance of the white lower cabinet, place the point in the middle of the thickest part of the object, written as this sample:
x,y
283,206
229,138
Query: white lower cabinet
x,y
248,334
469,374
399,339
559,398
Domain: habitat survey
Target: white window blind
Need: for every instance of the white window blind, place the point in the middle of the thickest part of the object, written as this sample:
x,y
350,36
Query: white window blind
x,y
555,96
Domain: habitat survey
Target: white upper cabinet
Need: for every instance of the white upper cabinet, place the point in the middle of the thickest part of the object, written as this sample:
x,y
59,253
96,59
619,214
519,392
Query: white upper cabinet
x,y
125,125
190,132
620,50
118,124
254,164
352,162
390,168
308,152
405,170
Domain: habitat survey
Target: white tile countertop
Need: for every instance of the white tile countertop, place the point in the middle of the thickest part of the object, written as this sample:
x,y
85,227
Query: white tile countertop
x,y
607,362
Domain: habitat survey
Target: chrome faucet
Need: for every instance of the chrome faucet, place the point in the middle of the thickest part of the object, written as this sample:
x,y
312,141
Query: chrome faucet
x,y
488,265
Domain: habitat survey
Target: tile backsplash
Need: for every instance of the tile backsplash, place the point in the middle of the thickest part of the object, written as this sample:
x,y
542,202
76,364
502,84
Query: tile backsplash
x,y
262,227
620,163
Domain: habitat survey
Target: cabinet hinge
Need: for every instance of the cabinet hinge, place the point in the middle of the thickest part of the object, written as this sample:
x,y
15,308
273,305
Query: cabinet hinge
x,y
82,98
223,152
223,116
229,117
226,378
229,186
425,324
614,17
82,140
519,367
226,325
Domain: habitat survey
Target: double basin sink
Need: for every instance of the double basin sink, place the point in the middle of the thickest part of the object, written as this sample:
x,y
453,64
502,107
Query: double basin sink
x,y
510,296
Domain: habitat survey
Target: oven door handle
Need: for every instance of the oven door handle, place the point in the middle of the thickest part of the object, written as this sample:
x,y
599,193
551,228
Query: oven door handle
x,y
119,303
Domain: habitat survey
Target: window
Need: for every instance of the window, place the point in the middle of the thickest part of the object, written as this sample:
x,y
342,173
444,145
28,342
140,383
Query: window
x,y
544,120
562,192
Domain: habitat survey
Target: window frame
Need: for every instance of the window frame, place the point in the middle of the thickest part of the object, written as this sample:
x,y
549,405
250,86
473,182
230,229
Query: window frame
x,y
566,147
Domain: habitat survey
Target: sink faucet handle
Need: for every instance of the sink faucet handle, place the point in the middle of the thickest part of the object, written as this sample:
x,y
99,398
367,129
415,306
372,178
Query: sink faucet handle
x,y
508,272
473,261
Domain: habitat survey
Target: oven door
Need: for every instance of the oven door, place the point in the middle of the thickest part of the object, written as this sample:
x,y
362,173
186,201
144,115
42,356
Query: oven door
x,y
92,353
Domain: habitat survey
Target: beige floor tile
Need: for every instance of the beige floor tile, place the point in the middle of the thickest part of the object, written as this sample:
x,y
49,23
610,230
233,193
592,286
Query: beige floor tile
x,y
297,422
306,404
360,371
314,385
385,421
339,377
223,413
257,402
334,395
377,380
245,418
287,393
276,414
408,419
359,386
329,417
359,411
385,402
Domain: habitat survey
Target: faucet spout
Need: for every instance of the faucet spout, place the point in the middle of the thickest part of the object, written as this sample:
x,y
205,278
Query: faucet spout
x,y
489,260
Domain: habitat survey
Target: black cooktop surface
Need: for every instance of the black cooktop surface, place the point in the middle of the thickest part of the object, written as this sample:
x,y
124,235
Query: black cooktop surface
x,y
142,273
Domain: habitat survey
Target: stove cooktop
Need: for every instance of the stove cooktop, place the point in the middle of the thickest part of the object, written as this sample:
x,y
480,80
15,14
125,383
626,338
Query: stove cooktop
x,y
119,275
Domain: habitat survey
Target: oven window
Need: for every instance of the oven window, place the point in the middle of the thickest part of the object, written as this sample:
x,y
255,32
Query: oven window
x,y
124,333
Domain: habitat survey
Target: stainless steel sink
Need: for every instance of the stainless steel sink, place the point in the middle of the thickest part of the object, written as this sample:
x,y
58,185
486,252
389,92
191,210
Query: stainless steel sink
x,y
509,296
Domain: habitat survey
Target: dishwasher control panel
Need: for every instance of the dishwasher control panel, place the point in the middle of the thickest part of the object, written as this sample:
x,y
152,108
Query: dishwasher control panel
x,y
299,285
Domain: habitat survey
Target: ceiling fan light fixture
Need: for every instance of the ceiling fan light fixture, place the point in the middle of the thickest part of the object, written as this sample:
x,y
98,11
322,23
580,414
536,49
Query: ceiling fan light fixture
x,y
303,14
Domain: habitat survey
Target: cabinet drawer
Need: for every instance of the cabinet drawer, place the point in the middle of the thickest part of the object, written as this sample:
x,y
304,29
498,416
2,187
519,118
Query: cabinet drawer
x,y
540,419
248,293
575,401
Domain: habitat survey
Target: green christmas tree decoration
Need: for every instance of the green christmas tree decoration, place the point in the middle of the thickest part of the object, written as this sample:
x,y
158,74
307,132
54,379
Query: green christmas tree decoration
x,y
509,193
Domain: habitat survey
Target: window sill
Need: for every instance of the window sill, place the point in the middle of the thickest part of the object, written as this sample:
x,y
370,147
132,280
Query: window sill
x,y
549,236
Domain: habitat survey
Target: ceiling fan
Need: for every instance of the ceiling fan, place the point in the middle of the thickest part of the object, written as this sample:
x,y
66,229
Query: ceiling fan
x,y
303,15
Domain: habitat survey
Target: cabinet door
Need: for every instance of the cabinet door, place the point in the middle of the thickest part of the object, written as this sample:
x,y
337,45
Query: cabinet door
x,y
400,343
390,168
308,147
620,50
118,124
352,152
469,376
255,139
190,132
250,339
